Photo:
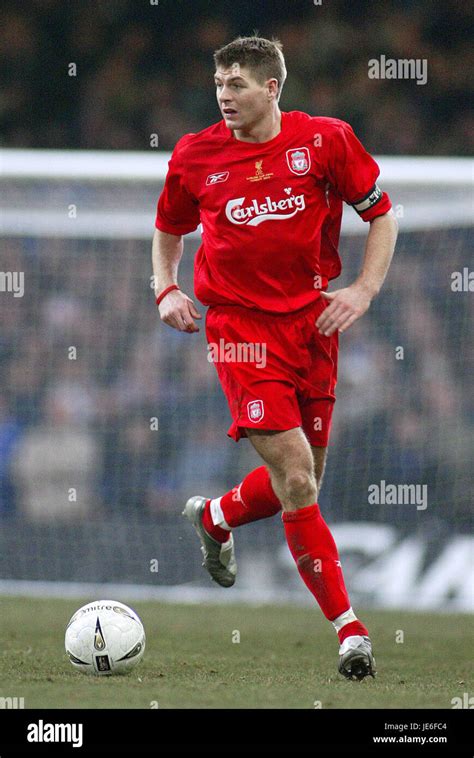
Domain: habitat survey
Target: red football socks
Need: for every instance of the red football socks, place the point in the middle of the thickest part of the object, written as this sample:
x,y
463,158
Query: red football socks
x,y
252,500
354,627
315,553
215,531
309,539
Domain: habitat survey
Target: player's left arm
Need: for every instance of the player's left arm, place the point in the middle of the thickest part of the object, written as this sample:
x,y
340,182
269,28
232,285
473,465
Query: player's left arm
x,y
353,173
348,304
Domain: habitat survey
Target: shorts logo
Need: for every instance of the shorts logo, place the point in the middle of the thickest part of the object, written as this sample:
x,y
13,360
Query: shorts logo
x,y
298,160
216,178
255,410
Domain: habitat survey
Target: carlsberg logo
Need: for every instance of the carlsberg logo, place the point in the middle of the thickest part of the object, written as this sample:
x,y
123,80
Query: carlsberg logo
x,y
254,213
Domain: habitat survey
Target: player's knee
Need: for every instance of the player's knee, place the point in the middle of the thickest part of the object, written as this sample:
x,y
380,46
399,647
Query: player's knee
x,y
300,489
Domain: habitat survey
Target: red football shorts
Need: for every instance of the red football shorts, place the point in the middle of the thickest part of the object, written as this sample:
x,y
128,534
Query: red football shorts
x,y
277,371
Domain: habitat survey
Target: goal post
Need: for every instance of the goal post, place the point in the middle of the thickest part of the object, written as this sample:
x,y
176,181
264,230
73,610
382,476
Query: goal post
x,y
109,420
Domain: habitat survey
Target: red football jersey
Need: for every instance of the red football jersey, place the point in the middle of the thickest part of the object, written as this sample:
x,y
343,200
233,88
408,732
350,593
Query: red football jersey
x,y
270,211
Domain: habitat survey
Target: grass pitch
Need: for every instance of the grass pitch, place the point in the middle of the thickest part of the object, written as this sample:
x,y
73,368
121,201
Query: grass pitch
x,y
286,658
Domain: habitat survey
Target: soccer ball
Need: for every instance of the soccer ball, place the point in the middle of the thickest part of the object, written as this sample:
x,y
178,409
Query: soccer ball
x,y
104,638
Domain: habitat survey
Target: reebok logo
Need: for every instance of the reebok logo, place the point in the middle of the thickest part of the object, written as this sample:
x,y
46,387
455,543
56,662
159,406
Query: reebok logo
x,y
216,178
255,213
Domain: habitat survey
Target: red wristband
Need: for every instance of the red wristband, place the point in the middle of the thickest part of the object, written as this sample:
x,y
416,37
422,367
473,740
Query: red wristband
x,y
165,292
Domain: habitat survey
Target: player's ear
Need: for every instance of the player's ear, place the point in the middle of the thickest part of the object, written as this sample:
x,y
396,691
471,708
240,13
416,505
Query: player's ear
x,y
272,89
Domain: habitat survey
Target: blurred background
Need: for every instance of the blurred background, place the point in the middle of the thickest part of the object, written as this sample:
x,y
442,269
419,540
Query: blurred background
x,y
110,420
146,66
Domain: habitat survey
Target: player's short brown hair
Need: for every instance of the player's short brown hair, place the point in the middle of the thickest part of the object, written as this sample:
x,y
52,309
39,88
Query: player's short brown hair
x,y
262,56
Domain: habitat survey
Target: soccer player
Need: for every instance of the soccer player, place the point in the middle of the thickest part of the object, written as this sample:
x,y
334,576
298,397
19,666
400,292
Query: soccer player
x,y
267,187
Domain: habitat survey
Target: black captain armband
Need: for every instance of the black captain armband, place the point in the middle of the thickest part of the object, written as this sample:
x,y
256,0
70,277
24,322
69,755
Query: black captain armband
x,y
371,199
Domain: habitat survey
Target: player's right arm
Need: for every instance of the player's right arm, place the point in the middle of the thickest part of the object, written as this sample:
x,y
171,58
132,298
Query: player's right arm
x,y
177,214
176,309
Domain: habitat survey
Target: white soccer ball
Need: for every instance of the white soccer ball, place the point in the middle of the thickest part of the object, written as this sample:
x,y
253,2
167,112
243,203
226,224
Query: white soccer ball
x,y
104,638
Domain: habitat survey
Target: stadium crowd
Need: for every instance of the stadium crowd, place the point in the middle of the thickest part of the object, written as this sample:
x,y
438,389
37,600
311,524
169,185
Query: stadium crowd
x,y
112,74
104,409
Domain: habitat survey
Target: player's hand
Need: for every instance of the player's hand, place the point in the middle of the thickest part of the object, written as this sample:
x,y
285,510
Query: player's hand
x,y
178,310
345,306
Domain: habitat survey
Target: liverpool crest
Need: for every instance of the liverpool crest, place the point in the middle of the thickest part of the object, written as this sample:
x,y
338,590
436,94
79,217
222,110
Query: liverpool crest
x,y
255,410
298,160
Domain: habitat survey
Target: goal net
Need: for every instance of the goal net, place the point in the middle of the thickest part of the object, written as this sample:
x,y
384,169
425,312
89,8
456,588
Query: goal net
x,y
109,420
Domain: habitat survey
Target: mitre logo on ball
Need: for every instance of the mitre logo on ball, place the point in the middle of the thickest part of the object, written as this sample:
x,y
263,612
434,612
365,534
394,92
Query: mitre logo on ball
x,y
298,160
255,410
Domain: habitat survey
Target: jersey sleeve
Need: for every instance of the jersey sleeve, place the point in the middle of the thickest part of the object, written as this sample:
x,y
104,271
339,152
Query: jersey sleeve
x,y
177,211
353,173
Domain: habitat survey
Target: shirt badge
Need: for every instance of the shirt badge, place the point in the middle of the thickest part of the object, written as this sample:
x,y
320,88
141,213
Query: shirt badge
x,y
298,160
259,173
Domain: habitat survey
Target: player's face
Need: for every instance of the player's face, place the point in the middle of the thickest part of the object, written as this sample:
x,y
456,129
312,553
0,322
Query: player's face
x,y
242,100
